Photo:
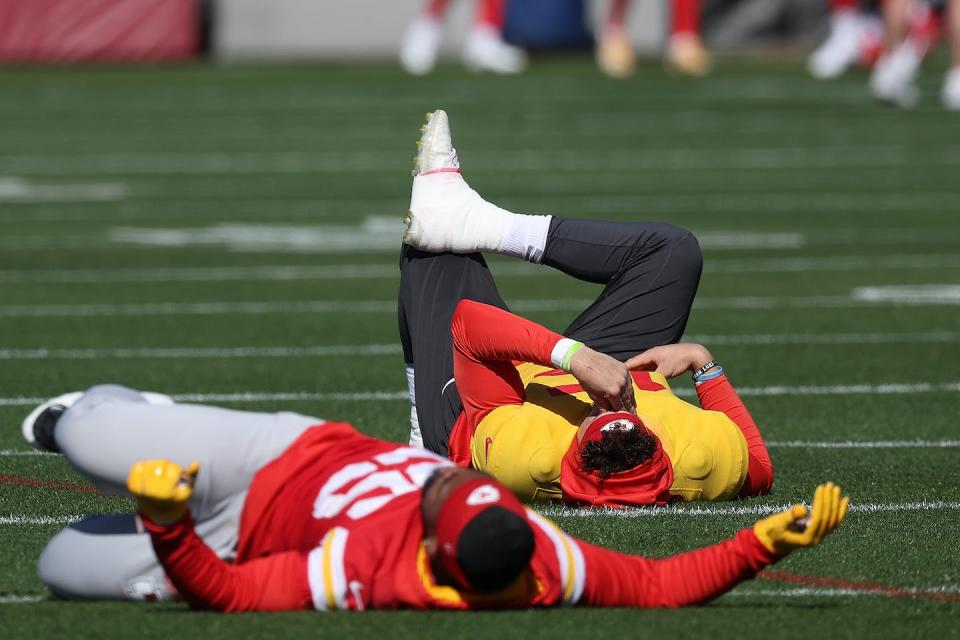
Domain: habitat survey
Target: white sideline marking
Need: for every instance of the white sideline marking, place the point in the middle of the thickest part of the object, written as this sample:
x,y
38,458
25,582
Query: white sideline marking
x,y
10,599
825,592
390,306
662,160
38,520
13,453
313,351
384,396
376,350
14,189
918,294
283,273
733,510
376,233
249,396
864,444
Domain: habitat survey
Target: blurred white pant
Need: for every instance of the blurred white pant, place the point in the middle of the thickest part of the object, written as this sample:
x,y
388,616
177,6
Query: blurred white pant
x,y
105,433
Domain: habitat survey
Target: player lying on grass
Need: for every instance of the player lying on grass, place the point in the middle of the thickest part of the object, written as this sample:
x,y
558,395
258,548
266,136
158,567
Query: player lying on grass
x,y
263,512
544,414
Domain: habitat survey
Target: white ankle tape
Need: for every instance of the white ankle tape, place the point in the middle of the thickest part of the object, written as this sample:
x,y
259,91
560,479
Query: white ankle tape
x,y
526,238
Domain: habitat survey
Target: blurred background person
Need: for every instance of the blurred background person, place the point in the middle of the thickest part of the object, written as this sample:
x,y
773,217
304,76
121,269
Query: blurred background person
x,y
685,54
856,37
483,50
912,28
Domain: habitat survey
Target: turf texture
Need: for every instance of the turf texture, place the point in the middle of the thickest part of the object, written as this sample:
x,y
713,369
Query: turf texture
x,y
232,230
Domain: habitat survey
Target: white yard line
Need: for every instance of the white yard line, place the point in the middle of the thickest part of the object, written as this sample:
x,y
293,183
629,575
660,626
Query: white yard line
x,y
745,303
251,396
773,444
910,294
13,599
307,351
285,273
38,520
530,160
824,592
736,510
864,444
377,350
389,396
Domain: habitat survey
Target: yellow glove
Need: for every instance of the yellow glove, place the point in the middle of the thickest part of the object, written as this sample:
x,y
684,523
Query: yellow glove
x,y
162,488
788,530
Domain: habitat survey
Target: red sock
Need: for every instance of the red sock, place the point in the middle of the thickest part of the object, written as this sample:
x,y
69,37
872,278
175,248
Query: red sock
x,y
837,6
436,9
490,13
618,14
685,18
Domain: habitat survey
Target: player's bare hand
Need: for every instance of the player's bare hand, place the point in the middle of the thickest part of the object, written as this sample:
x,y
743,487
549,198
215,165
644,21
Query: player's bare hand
x,y
793,529
671,360
162,488
606,380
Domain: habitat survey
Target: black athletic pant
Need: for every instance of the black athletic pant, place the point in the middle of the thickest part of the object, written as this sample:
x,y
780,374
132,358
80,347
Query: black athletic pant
x,y
650,272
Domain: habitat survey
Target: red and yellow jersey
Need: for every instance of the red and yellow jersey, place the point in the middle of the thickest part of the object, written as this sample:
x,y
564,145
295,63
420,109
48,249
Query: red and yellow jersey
x,y
334,523
521,417
523,445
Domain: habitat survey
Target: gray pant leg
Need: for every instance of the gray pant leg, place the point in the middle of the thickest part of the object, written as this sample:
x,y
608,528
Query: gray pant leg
x,y
105,433
110,428
111,557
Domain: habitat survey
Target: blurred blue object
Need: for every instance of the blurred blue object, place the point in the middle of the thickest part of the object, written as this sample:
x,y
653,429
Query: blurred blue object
x,y
547,24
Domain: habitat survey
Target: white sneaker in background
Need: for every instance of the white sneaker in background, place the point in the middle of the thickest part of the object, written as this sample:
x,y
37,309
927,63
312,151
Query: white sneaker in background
x,y
485,50
951,90
892,78
842,47
420,46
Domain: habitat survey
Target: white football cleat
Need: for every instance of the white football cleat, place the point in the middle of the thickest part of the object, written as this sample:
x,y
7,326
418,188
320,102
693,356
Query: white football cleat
x,y
485,50
892,78
951,90
445,213
420,46
37,428
841,49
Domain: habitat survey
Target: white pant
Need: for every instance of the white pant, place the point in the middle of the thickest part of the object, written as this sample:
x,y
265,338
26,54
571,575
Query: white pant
x,y
105,433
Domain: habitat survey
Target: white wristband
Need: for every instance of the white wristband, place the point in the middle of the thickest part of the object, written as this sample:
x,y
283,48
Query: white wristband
x,y
560,351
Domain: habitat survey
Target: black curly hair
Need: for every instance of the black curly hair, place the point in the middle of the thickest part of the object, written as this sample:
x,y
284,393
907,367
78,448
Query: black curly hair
x,y
618,450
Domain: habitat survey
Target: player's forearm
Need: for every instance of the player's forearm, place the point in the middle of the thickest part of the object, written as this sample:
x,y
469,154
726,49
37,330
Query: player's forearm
x,y
491,334
695,577
719,395
204,581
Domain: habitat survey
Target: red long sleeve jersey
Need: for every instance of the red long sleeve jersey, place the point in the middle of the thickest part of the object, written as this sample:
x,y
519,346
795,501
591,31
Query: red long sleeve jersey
x,y
334,523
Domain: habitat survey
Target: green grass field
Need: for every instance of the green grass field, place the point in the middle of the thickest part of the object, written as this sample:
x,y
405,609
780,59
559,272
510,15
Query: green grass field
x,y
222,231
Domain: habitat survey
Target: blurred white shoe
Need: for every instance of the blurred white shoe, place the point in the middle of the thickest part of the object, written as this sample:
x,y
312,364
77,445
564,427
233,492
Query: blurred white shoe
x,y
892,78
37,428
445,213
687,55
841,49
485,50
421,43
615,55
951,90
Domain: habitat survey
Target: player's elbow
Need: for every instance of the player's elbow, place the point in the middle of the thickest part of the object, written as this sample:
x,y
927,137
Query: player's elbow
x,y
460,323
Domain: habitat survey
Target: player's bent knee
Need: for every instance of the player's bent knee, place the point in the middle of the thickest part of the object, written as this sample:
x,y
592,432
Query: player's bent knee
x,y
687,257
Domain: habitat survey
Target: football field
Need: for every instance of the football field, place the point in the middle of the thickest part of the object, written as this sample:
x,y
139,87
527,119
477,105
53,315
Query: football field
x,y
229,235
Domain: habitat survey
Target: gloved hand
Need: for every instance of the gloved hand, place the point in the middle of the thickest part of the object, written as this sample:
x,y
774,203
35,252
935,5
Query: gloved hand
x,y
788,530
162,488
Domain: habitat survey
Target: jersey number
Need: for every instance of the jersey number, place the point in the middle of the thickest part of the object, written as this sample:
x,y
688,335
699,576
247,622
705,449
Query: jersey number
x,y
362,488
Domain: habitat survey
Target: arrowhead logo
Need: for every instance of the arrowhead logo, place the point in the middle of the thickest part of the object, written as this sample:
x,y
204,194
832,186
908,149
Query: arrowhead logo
x,y
484,494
